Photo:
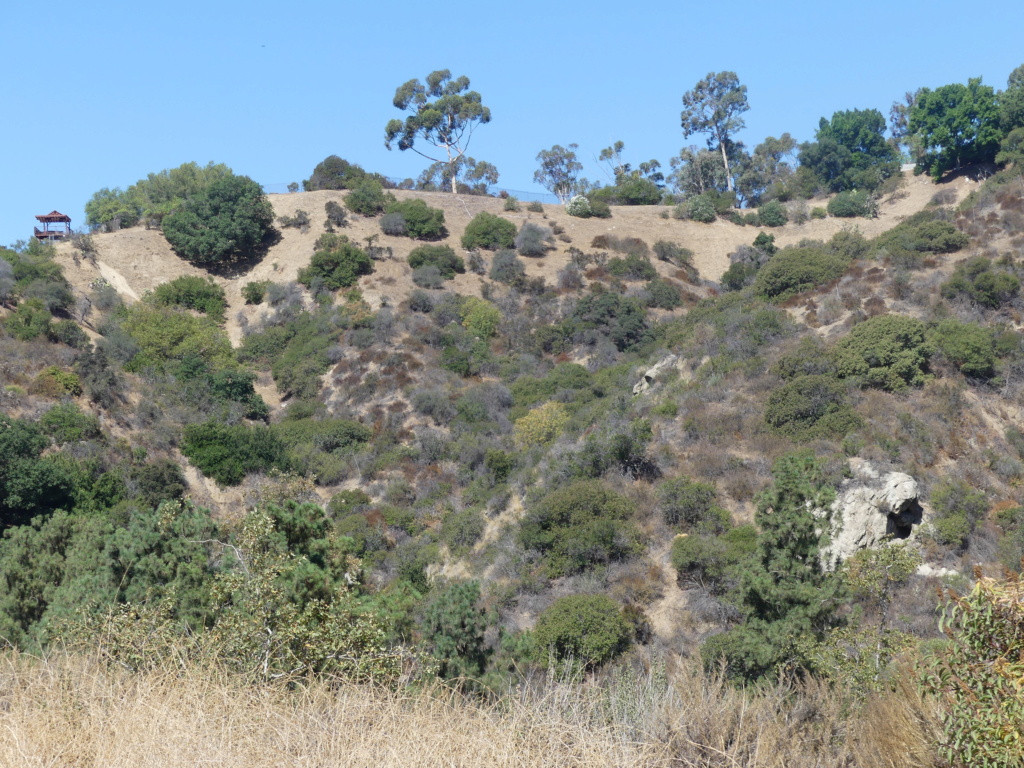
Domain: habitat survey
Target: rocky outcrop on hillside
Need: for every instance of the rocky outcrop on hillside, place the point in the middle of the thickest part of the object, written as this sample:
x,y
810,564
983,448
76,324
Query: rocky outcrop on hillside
x,y
869,507
654,373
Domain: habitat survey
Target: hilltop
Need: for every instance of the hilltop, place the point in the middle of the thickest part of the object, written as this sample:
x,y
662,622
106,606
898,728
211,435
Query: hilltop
x,y
136,260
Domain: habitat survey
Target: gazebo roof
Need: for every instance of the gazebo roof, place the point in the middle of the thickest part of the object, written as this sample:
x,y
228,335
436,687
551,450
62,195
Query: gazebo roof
x,y
54,216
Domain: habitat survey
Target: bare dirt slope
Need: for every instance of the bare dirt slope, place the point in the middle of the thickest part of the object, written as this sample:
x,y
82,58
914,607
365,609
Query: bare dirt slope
x,y
137,260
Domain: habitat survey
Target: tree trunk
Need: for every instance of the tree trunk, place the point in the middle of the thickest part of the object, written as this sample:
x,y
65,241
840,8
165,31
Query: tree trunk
x,y
725,159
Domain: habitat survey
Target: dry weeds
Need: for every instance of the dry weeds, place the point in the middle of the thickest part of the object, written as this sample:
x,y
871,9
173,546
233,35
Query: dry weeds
x,y
73,711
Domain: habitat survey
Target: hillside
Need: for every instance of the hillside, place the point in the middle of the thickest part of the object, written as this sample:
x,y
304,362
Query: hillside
x,y
606,479
136,260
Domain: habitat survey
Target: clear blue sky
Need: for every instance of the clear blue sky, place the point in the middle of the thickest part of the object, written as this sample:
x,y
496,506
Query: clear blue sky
x,y
100,94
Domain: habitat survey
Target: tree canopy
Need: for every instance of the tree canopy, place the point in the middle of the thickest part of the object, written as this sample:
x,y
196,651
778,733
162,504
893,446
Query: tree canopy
x,y
444,114
957,125
559,171
226,221
786,590
851,151
714,107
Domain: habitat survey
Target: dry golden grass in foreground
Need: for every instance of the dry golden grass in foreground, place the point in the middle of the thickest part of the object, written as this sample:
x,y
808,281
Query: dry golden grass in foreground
x,y
73,711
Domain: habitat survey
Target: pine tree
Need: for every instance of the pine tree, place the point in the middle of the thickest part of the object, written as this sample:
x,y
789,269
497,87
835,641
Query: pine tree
x,y
787,592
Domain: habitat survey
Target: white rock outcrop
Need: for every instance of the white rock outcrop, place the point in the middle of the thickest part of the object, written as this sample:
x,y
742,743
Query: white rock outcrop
x,y
652,374
870,507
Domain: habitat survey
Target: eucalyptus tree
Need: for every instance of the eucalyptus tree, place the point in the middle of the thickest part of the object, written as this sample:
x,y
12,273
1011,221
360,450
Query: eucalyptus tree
x,y
715,106
444,113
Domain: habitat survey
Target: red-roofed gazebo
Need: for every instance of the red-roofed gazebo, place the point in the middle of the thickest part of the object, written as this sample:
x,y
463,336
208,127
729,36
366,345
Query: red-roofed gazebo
x,y
56,226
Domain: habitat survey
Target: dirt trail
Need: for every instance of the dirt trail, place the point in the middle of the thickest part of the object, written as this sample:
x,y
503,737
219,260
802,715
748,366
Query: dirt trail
x,y
136,260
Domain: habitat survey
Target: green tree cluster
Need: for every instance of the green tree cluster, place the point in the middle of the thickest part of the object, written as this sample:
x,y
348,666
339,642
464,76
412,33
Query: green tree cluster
x,y
851,152
957,125
228,220
334,172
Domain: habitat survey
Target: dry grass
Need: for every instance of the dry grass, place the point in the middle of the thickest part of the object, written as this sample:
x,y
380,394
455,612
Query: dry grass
x,y
70,711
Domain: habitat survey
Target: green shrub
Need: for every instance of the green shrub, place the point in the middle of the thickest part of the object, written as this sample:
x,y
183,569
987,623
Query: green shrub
x,y
337,262
441,256
334,172
579,206
715,563
507,268
852,203
428,276
393,224
368,198
673,253
193,292
976,675
599,209
68,332
461,530
818,213
30,484
810,407
968,346
421,221
541,425
479,317
888,351
702,209
795,270
156,482
253,292
564,377
632,268
226,221
662,294
295,351
420,301
533,239
65,423
299,221
30,320
808,359
54,382
622,319
773,214
512,204
578,526
535,207
692,505
350,502
489,232
229,453
976,280
739,275
958,508
164,338
327,435
919,234
586,629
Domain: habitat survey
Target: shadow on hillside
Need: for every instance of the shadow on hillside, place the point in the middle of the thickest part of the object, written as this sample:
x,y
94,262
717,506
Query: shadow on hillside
x,y
978,172
240,266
